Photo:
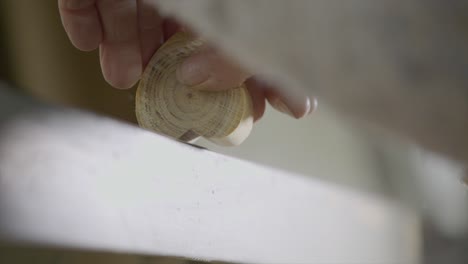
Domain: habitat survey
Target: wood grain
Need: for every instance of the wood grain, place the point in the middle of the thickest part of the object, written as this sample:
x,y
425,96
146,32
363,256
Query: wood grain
x,y
166,106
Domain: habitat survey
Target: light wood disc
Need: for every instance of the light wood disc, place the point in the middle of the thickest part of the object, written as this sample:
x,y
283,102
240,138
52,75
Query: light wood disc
x,y
166,106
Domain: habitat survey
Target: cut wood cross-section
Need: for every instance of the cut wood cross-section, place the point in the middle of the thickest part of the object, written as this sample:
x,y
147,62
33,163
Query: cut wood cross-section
x,y
166,106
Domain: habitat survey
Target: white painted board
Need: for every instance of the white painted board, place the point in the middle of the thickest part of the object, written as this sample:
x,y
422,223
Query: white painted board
x,y
74,180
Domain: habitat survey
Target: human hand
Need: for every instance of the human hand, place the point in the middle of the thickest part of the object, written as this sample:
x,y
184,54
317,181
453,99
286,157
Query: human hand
x,y
128,32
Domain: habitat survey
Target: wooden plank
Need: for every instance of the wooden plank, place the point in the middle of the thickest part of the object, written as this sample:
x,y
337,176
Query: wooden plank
x,y
75,180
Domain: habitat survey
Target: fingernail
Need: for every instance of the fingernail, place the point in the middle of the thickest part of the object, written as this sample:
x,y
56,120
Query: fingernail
x,y
313,104
133,75
191,73
282,107
123,69
123,79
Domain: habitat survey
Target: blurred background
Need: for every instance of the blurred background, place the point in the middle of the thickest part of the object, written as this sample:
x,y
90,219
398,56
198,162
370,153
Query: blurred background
x,y
38,59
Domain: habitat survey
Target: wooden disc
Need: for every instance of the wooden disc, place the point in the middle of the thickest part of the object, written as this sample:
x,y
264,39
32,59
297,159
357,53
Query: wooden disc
x,y
166,106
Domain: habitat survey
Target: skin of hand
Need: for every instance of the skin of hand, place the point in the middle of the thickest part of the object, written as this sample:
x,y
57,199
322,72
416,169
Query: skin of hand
x,y
128,33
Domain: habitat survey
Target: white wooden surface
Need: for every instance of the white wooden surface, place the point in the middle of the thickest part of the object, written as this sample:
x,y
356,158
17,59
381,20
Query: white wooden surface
x,y
75,180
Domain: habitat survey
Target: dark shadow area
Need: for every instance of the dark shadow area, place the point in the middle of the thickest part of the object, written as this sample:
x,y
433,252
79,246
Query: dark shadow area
x,y
30,255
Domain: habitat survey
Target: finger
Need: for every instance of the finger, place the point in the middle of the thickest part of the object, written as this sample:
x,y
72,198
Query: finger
x,y
292,104
150,30
258,98
292,108
120,50
208,70
80,19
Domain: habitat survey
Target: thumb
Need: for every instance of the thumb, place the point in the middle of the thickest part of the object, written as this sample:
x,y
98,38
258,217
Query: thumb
x,y
209,70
